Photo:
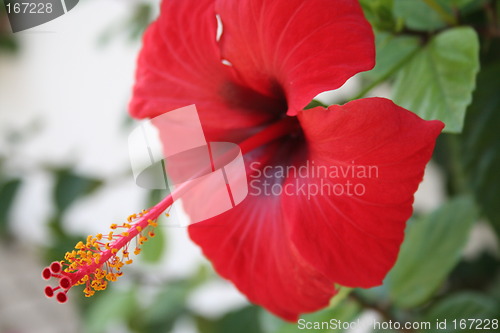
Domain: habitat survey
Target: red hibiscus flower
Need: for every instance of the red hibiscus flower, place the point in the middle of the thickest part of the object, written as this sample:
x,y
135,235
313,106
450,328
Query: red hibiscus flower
x,y
330,188
287,252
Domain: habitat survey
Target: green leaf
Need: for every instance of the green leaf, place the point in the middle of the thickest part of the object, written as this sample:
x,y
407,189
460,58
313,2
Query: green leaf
x,y
439,80
380,14
70,186
378,294
481,144
392,52
465,305
245,320
113,305
314,103
431,250
417,15
8,192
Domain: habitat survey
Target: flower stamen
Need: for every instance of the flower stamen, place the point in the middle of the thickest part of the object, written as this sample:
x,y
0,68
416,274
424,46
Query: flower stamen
x,y
94,263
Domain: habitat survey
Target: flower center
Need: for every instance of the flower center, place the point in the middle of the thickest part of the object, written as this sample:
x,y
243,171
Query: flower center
x,y
272,106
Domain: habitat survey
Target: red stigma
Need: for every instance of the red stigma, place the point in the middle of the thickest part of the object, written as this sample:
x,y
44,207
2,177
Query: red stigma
x,y
55,267
65,283
46,273
61,297
49,292
55,270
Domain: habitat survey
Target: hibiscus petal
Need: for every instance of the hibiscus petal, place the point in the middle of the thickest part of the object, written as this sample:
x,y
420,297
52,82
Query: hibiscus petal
x,y
251,246
355,239
294,47
285,252
272,46
180,64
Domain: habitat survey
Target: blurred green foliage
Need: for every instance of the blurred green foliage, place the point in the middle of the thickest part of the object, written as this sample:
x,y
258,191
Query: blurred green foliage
x,y
440,236
132,26
152,251
70,186
8,191
8,43
480,143
463,305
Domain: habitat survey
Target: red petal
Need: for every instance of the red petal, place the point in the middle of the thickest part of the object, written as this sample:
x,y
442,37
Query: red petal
x,y
300,47
286,252
251,246
180,65
355,239
283,52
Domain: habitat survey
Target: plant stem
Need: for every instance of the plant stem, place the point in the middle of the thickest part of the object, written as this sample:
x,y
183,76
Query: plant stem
x,y
382,311
341,295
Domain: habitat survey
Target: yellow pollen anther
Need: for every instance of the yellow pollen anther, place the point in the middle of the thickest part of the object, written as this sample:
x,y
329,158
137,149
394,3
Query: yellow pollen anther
x,y
111,277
